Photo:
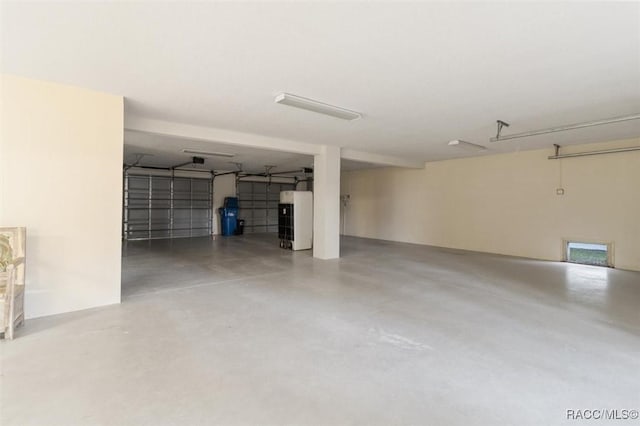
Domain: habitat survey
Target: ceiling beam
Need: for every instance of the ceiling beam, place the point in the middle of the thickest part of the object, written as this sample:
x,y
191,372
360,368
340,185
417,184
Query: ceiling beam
x,y
230,137
387,160
211,134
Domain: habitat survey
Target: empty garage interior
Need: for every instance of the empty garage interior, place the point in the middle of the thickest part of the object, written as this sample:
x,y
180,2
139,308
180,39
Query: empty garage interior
x,y
321,213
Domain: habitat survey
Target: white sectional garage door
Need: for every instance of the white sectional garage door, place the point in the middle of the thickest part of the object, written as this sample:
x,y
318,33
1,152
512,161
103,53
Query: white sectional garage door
x,y
259,205
166,207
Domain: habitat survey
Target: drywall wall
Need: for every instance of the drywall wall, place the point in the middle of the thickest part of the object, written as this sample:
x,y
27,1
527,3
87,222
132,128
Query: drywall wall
x,y
61,177
223,186
326,203
504,204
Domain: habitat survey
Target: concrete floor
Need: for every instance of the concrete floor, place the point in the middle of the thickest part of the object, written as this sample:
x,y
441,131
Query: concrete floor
x,y
237,331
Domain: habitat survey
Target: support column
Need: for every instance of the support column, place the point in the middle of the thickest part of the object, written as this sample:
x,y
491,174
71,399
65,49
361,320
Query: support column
x,y
326,203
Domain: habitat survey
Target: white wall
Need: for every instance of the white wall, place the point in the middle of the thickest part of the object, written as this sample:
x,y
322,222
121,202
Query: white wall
x,y
505,203
326,203
223,186
61,177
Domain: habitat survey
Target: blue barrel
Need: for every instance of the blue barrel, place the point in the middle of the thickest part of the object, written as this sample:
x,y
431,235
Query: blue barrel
x,y
228,220
231,202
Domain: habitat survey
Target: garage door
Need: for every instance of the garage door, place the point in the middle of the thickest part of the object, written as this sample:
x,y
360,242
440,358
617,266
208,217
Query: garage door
x,y
165,207
259,205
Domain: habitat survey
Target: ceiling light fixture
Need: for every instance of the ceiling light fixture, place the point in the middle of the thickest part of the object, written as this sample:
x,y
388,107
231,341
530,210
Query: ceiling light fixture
x,y
315,106
210,154
469,146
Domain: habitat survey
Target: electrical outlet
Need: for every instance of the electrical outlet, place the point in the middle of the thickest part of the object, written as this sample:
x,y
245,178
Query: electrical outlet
x,y
559,191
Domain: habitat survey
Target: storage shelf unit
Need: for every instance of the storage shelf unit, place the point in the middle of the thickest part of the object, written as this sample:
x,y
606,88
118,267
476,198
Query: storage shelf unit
x,y
295,220
259,204
166,207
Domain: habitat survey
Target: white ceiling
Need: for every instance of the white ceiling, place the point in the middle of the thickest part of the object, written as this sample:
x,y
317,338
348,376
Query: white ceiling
x,y
165,151
420,73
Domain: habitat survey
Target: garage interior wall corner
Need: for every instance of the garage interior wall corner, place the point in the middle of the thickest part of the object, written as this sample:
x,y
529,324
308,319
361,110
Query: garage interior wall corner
x,y
61,152
505,203
223,186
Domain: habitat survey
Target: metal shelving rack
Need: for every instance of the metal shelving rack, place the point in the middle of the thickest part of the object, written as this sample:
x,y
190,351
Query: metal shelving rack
x,y
166,207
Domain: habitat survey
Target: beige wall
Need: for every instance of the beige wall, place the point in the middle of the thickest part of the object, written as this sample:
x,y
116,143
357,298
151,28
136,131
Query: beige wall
x,y
505,203
223,186
61,177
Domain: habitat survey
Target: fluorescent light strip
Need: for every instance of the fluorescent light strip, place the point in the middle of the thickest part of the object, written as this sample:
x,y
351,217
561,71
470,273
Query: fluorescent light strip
x,y
315,106
210,154
469,146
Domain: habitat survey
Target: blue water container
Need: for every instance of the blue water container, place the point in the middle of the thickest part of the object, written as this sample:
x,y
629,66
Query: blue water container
x,y
228,220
